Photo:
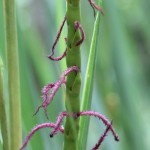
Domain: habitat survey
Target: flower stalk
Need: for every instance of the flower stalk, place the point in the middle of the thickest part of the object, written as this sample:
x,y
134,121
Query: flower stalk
x,y
72,80
73,84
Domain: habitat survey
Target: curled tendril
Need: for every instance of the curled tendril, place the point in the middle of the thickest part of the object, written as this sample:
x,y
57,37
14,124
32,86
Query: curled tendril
x,y
77,26
101,139
58,122
38,127
104,120
58,35
58,128
87,113
95,6
47,98
58,58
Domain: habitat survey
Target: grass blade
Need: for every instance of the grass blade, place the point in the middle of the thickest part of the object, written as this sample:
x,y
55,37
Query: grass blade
x,y
88,86
3,116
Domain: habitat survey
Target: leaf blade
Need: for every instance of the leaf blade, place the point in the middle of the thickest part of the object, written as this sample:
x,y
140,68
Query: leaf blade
x,y
88,86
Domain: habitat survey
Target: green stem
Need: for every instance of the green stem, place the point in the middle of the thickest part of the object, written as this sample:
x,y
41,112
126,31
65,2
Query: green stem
x,y
3,116
13,74
72,100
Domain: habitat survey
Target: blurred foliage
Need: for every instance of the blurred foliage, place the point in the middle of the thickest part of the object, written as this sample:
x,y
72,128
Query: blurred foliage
x,y
121,83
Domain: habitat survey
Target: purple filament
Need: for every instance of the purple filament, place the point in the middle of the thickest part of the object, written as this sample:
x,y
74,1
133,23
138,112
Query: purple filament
x,y
58,35
38,127
94,5
47,98
58,58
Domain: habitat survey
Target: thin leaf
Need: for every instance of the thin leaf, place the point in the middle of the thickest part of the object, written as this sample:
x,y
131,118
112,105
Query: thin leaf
x,y
3,116
88,87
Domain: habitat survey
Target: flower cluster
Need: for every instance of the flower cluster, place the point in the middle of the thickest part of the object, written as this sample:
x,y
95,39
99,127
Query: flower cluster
x,y
50,90
47,98
58,128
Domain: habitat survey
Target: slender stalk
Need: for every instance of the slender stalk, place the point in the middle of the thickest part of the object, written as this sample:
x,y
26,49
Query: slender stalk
x,y
3,116
72,100
13,74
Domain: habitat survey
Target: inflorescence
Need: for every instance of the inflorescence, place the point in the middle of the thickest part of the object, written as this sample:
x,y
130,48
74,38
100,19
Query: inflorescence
x,y
47,98
58,128
49,91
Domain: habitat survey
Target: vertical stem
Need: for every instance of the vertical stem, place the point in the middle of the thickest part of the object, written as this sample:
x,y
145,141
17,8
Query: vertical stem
x,y
72,100
13,74
3,116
